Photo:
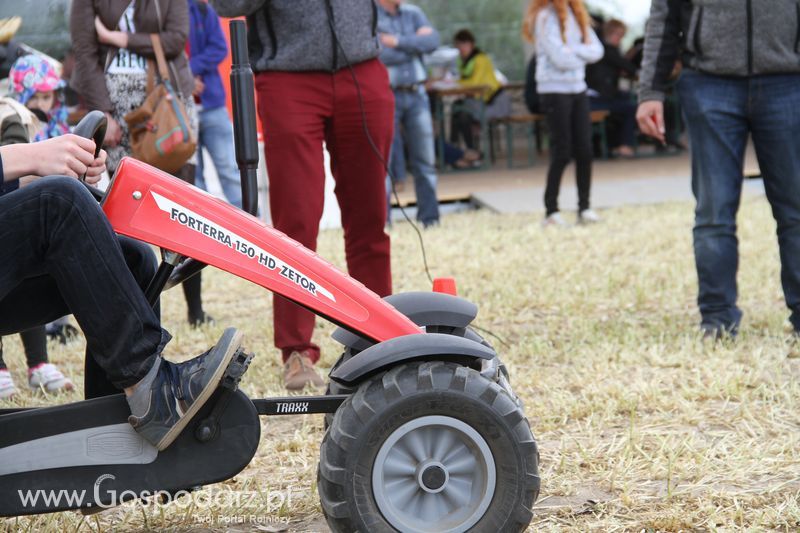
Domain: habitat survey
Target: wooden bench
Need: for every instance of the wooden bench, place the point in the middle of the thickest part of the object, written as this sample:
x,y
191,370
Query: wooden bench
x,y
535,121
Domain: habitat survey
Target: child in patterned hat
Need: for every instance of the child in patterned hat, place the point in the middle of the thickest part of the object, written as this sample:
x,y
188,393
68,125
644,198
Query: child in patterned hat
x,y
36,85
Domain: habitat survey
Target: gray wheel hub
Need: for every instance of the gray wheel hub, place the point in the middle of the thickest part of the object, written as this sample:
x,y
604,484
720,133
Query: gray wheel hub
x,y
434,474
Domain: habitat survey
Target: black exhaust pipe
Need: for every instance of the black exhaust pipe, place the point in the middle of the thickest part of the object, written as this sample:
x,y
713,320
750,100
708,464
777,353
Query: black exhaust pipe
x,y
245,134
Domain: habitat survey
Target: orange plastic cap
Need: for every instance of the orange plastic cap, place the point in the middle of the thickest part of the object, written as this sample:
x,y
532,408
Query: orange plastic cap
x,y
445,285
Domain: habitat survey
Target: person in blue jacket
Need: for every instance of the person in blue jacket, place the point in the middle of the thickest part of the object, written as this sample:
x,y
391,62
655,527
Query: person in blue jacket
x,y
405,35
207,48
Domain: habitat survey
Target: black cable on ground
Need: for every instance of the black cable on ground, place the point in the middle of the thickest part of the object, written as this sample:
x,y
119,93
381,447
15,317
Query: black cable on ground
x,y
492,333
372,142
386,165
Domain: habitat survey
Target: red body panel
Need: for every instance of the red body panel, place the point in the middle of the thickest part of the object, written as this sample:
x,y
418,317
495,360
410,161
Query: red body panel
x,y
174,215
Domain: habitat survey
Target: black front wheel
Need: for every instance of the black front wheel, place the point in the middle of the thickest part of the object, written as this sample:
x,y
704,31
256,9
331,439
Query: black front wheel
x,y
429,447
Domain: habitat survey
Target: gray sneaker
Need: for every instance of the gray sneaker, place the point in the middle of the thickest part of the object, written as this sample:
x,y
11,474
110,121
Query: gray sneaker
x,y
588,216
178,390
554,220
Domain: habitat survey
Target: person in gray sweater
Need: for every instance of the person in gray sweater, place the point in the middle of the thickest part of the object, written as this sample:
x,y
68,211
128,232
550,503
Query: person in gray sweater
x,y
565,44
741,75
307,56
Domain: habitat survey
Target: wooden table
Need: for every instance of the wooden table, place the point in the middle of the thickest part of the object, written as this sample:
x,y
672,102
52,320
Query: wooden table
x,y
438,91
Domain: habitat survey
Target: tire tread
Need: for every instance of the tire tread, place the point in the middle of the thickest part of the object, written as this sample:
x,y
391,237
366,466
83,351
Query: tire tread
x,y
341,441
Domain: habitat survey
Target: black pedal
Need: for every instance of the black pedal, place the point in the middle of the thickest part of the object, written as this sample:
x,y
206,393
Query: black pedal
x,y
208,428
110,455
236,369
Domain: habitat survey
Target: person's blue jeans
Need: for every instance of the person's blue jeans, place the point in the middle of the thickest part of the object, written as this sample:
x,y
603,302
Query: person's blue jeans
x,y
623,109
413,133
216,136
720,112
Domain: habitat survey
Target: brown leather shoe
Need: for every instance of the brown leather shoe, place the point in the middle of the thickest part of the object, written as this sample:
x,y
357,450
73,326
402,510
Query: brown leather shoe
x,y
299,371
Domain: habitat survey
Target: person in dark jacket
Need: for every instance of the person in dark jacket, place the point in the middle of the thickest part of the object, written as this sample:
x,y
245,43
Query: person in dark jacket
x,y
34,111
604,92
95,55
48,268
207,49
741,76
112,43
307,56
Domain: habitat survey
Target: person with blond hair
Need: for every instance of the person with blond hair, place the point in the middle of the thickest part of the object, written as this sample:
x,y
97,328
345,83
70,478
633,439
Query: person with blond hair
x,y
565,44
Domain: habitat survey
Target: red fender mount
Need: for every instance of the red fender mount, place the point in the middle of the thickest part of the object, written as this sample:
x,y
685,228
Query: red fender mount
x,y
152,206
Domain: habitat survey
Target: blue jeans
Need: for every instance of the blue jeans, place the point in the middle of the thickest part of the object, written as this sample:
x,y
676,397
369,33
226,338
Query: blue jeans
x,y
216,135
720,112
413,130
623,111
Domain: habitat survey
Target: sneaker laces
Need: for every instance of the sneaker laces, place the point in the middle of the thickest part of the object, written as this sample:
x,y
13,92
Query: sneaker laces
x,y
174,374
173,377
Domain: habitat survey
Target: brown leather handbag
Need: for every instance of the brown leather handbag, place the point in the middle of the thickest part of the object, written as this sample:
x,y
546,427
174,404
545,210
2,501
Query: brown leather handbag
x,y
160,131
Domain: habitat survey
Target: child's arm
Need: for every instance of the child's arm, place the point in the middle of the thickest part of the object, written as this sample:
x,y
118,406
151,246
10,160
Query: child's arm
x,y
67,155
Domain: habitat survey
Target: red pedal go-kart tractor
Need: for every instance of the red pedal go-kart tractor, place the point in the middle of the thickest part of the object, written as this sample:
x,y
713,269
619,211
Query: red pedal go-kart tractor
x,y
424,432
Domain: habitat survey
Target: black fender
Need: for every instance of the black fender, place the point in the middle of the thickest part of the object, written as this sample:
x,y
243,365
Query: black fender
x,y
436,311
414,347
434,308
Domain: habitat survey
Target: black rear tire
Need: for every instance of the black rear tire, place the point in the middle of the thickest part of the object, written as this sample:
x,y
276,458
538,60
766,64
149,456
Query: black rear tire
x,y
444,401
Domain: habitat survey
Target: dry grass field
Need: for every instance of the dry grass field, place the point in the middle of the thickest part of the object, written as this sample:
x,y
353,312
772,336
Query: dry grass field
x,y
642,426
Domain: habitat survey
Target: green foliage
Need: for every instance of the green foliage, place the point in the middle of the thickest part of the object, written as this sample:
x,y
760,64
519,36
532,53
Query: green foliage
x,y
45,23
495,23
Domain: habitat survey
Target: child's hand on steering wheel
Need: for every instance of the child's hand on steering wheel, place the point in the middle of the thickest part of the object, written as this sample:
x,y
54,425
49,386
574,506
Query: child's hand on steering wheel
x,y
68,155
96,169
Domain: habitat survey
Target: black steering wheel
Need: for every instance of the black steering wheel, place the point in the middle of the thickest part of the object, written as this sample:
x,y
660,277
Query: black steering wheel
x,y
93,126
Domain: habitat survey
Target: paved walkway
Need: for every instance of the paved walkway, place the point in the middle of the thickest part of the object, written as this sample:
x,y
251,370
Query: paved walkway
x,y
645,180
607,192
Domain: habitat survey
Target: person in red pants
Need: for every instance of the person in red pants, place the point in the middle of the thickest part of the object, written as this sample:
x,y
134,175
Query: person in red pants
x,y
307,57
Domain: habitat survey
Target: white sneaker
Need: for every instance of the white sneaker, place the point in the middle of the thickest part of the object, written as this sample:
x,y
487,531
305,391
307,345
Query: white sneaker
x,y
588,216
554,219
7,387
48,378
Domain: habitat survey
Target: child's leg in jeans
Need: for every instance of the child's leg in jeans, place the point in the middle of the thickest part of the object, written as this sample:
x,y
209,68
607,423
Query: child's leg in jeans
x,y
41,374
